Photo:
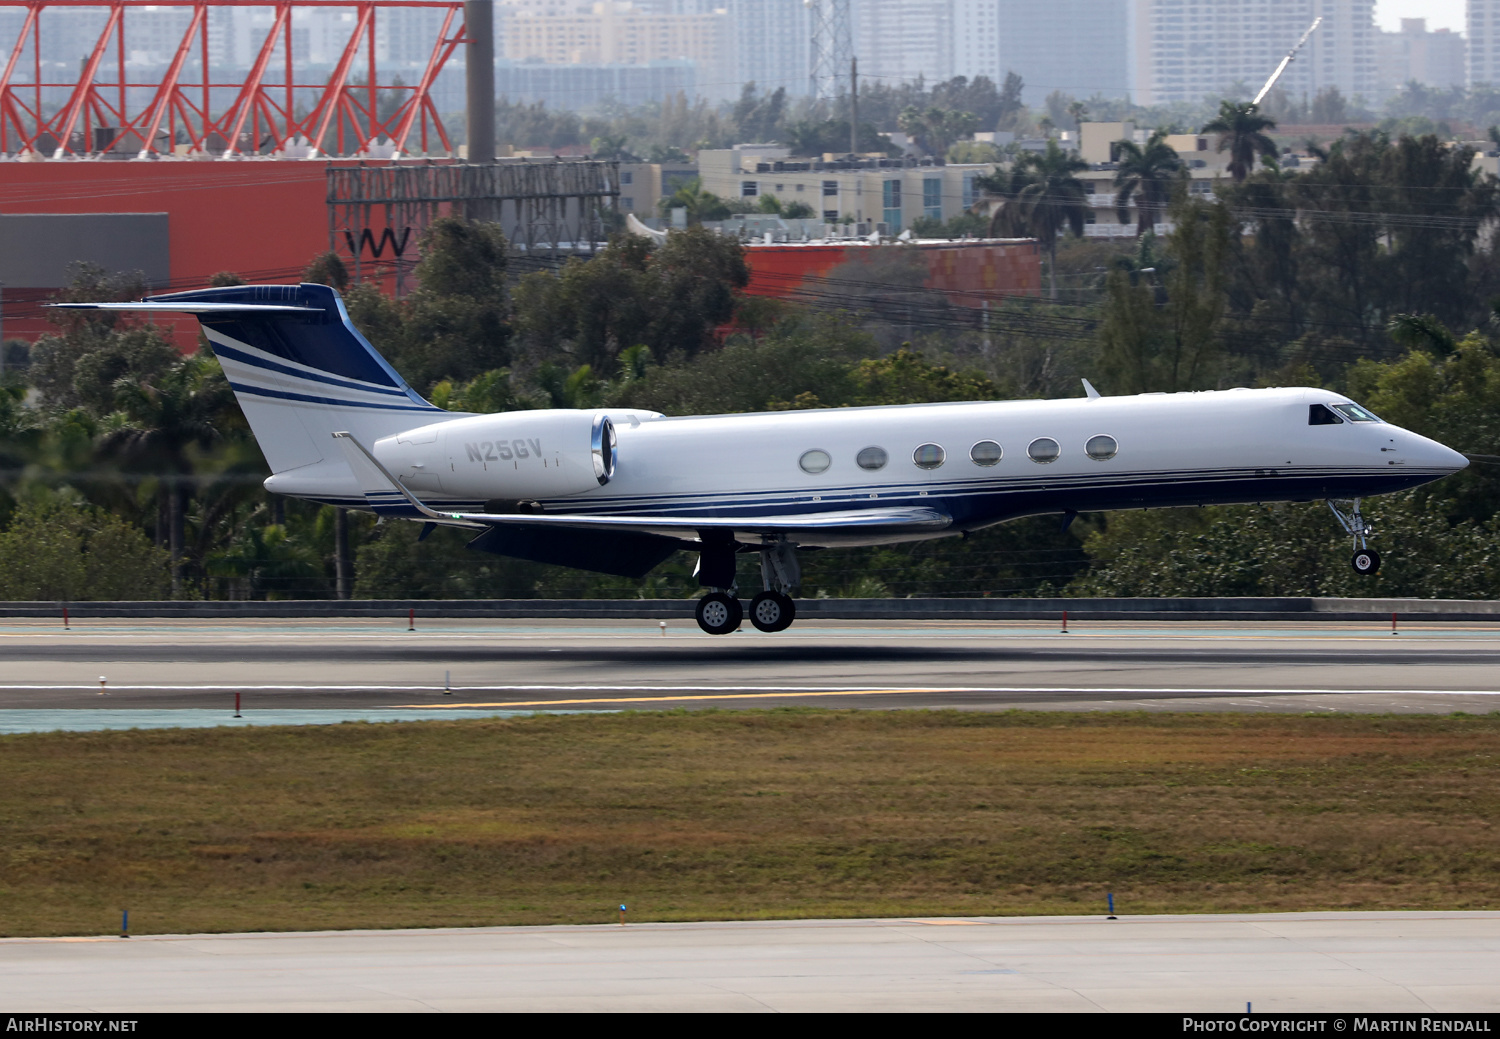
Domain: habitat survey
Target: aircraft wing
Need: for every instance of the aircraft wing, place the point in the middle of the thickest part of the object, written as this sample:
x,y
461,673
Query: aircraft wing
x,y
899,518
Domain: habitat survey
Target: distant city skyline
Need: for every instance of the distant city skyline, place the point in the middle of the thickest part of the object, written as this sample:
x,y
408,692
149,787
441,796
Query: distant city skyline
x,y
1440,14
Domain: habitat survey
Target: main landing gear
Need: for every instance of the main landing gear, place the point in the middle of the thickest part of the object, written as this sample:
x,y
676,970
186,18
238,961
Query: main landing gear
x,y
719,612
773,609
1365,560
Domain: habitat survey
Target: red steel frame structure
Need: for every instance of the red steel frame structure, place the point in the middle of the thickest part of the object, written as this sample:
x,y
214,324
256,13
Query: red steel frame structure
x,y
343,121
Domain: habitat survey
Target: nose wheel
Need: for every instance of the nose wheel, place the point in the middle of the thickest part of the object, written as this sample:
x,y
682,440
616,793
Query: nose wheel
x,y
719,614
1365,559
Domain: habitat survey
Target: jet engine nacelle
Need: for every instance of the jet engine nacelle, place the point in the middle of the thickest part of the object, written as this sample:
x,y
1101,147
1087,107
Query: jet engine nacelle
x,y
516,454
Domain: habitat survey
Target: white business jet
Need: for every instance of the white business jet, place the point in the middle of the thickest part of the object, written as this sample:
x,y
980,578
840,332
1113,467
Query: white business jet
x,y
619,490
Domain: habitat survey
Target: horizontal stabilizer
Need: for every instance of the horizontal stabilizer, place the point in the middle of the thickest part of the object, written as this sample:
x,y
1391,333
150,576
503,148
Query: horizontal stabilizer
x,y
189,308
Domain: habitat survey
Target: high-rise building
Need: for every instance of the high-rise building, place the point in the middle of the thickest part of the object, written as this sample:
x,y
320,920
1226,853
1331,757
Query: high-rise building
x,y
1435,58
611,33
1185,50
1076,46
769,43
1482,27
976,39
900,40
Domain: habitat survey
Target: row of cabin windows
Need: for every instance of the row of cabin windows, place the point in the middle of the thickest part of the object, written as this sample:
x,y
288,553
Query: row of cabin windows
x,y
1100,448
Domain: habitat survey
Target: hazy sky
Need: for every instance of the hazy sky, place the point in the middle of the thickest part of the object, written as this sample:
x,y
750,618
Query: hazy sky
x,y
1440,14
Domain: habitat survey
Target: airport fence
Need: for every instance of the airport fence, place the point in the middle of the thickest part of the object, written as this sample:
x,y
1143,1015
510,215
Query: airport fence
x,y
1290,609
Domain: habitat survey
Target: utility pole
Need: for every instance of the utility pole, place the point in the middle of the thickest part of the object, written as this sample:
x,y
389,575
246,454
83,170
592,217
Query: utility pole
x,y
479,79
853,106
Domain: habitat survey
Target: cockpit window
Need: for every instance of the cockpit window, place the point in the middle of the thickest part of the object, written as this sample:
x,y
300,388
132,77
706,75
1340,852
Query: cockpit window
x,y
1319,415
1355,413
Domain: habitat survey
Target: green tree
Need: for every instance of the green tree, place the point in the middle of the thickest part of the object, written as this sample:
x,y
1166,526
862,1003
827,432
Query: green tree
x,y
71,551
934,129
457,323
1241,129
672,298
1040,197
158,423
77,366
698,204
328,269
1173,344
1148,176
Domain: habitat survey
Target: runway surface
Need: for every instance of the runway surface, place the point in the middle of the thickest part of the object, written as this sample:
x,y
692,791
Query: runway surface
x,y
1284,962
348,669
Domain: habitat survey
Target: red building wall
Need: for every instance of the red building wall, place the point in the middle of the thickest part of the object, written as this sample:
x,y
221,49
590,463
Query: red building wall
x,y
969,273
264,220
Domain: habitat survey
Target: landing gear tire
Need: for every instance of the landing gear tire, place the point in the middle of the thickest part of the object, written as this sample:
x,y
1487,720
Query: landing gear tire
x,y
772,611
1365,561
719,614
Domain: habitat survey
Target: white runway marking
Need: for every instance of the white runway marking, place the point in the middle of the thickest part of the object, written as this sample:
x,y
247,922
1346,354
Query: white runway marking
x,y
739,692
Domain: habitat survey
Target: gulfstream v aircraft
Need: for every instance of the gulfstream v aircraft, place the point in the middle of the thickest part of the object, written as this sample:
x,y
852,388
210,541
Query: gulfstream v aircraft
x,y
619,490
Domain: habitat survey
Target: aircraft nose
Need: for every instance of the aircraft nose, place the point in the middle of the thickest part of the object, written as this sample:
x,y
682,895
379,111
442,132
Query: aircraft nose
x,y
1431,454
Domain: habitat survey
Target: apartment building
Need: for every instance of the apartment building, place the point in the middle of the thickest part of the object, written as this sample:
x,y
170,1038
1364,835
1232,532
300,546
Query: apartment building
x,y
899,40
644,184
1434,57
1182,50
1076,46
611,34
1482,29
892,192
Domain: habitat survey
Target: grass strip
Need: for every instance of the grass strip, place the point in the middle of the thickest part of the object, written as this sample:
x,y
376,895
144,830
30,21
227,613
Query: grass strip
x,y
747,814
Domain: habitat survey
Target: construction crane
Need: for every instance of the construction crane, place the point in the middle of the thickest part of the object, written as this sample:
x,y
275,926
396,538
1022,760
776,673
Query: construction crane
x,y
1286,61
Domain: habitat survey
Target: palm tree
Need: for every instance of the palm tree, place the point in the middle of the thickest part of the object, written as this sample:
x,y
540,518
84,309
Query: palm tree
x,y
1040,198
1147,175
159,421
700,205
1240,127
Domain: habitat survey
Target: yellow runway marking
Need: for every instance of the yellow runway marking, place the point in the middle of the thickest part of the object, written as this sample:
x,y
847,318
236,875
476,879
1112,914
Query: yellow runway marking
x,y
950,923
783,694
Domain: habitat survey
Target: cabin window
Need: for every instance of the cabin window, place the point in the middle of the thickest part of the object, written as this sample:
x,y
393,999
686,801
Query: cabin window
x,y
1355,413
1319,415
928,456
871,458
1101,448
1043,449
986,452
815,461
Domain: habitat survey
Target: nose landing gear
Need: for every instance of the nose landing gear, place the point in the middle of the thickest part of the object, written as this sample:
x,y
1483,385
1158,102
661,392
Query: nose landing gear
x,y
1365,559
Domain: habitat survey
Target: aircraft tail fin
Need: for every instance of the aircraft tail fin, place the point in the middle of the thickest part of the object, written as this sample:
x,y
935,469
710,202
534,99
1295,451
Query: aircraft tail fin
x,y
299,368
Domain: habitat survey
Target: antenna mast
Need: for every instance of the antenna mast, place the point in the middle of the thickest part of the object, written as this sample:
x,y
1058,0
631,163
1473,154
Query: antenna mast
x,y
832,46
